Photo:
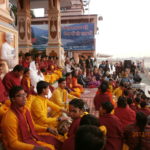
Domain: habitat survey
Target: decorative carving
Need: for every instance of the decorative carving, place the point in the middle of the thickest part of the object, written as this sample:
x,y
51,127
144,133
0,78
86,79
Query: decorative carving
x,y
2,1
53,54
52,4
62,57
28,29
53,27
28,5
21,2
22,28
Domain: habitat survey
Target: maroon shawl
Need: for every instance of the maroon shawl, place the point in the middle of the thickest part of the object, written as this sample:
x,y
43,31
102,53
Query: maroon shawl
x,y
28,133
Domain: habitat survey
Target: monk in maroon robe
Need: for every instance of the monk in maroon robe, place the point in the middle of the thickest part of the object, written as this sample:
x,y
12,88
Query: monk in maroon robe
x,y
76,107
137,135
88,119
102,96
124,112
12,78
27,60
114,136
44,62
144,109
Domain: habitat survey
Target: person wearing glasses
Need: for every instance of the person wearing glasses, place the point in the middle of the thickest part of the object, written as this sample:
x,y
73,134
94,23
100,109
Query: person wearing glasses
x,y
18,129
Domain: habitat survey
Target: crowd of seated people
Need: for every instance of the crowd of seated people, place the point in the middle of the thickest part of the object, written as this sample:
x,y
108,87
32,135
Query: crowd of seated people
x,y
36,115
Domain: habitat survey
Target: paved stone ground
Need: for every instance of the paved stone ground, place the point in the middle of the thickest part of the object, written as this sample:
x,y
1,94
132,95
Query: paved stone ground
x,y
88,97
145,78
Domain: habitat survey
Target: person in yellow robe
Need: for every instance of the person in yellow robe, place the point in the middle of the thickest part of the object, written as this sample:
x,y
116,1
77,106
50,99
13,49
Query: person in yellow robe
x,y
40,104
118,91
18,129
60,96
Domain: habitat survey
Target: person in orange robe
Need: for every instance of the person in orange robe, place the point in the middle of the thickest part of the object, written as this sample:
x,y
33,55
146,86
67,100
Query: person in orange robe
x,y
21,133
51,65
72,91
27,60
113,125
75,83
28,88
25,82
103,95
124,112
13,78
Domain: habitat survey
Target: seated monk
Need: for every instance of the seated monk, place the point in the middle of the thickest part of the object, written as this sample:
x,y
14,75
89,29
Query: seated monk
x,y
124,112
119,91
39,107
12,78
52,75
75,83
85,120
26,82
48,77
54,69
144,108
18,129
44,62
72,91
57,69
28,88
103,95
76,111
27,60
113,125
60,95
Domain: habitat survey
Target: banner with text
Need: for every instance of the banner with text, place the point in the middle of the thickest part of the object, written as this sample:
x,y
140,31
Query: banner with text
x,y
78,36
74,36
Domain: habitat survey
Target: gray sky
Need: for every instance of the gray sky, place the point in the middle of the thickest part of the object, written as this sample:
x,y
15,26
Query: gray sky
x,y
125,29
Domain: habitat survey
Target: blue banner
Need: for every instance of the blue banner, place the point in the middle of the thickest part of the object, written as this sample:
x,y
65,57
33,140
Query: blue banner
x,y
39,36
74,36
78,36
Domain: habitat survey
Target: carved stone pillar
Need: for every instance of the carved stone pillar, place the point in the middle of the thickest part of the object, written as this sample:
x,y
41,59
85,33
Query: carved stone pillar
x,y
4,11
6,27
24,25
54,23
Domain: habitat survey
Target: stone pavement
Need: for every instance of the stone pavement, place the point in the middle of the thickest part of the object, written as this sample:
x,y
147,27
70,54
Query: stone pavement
x,y
145,78
88,97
